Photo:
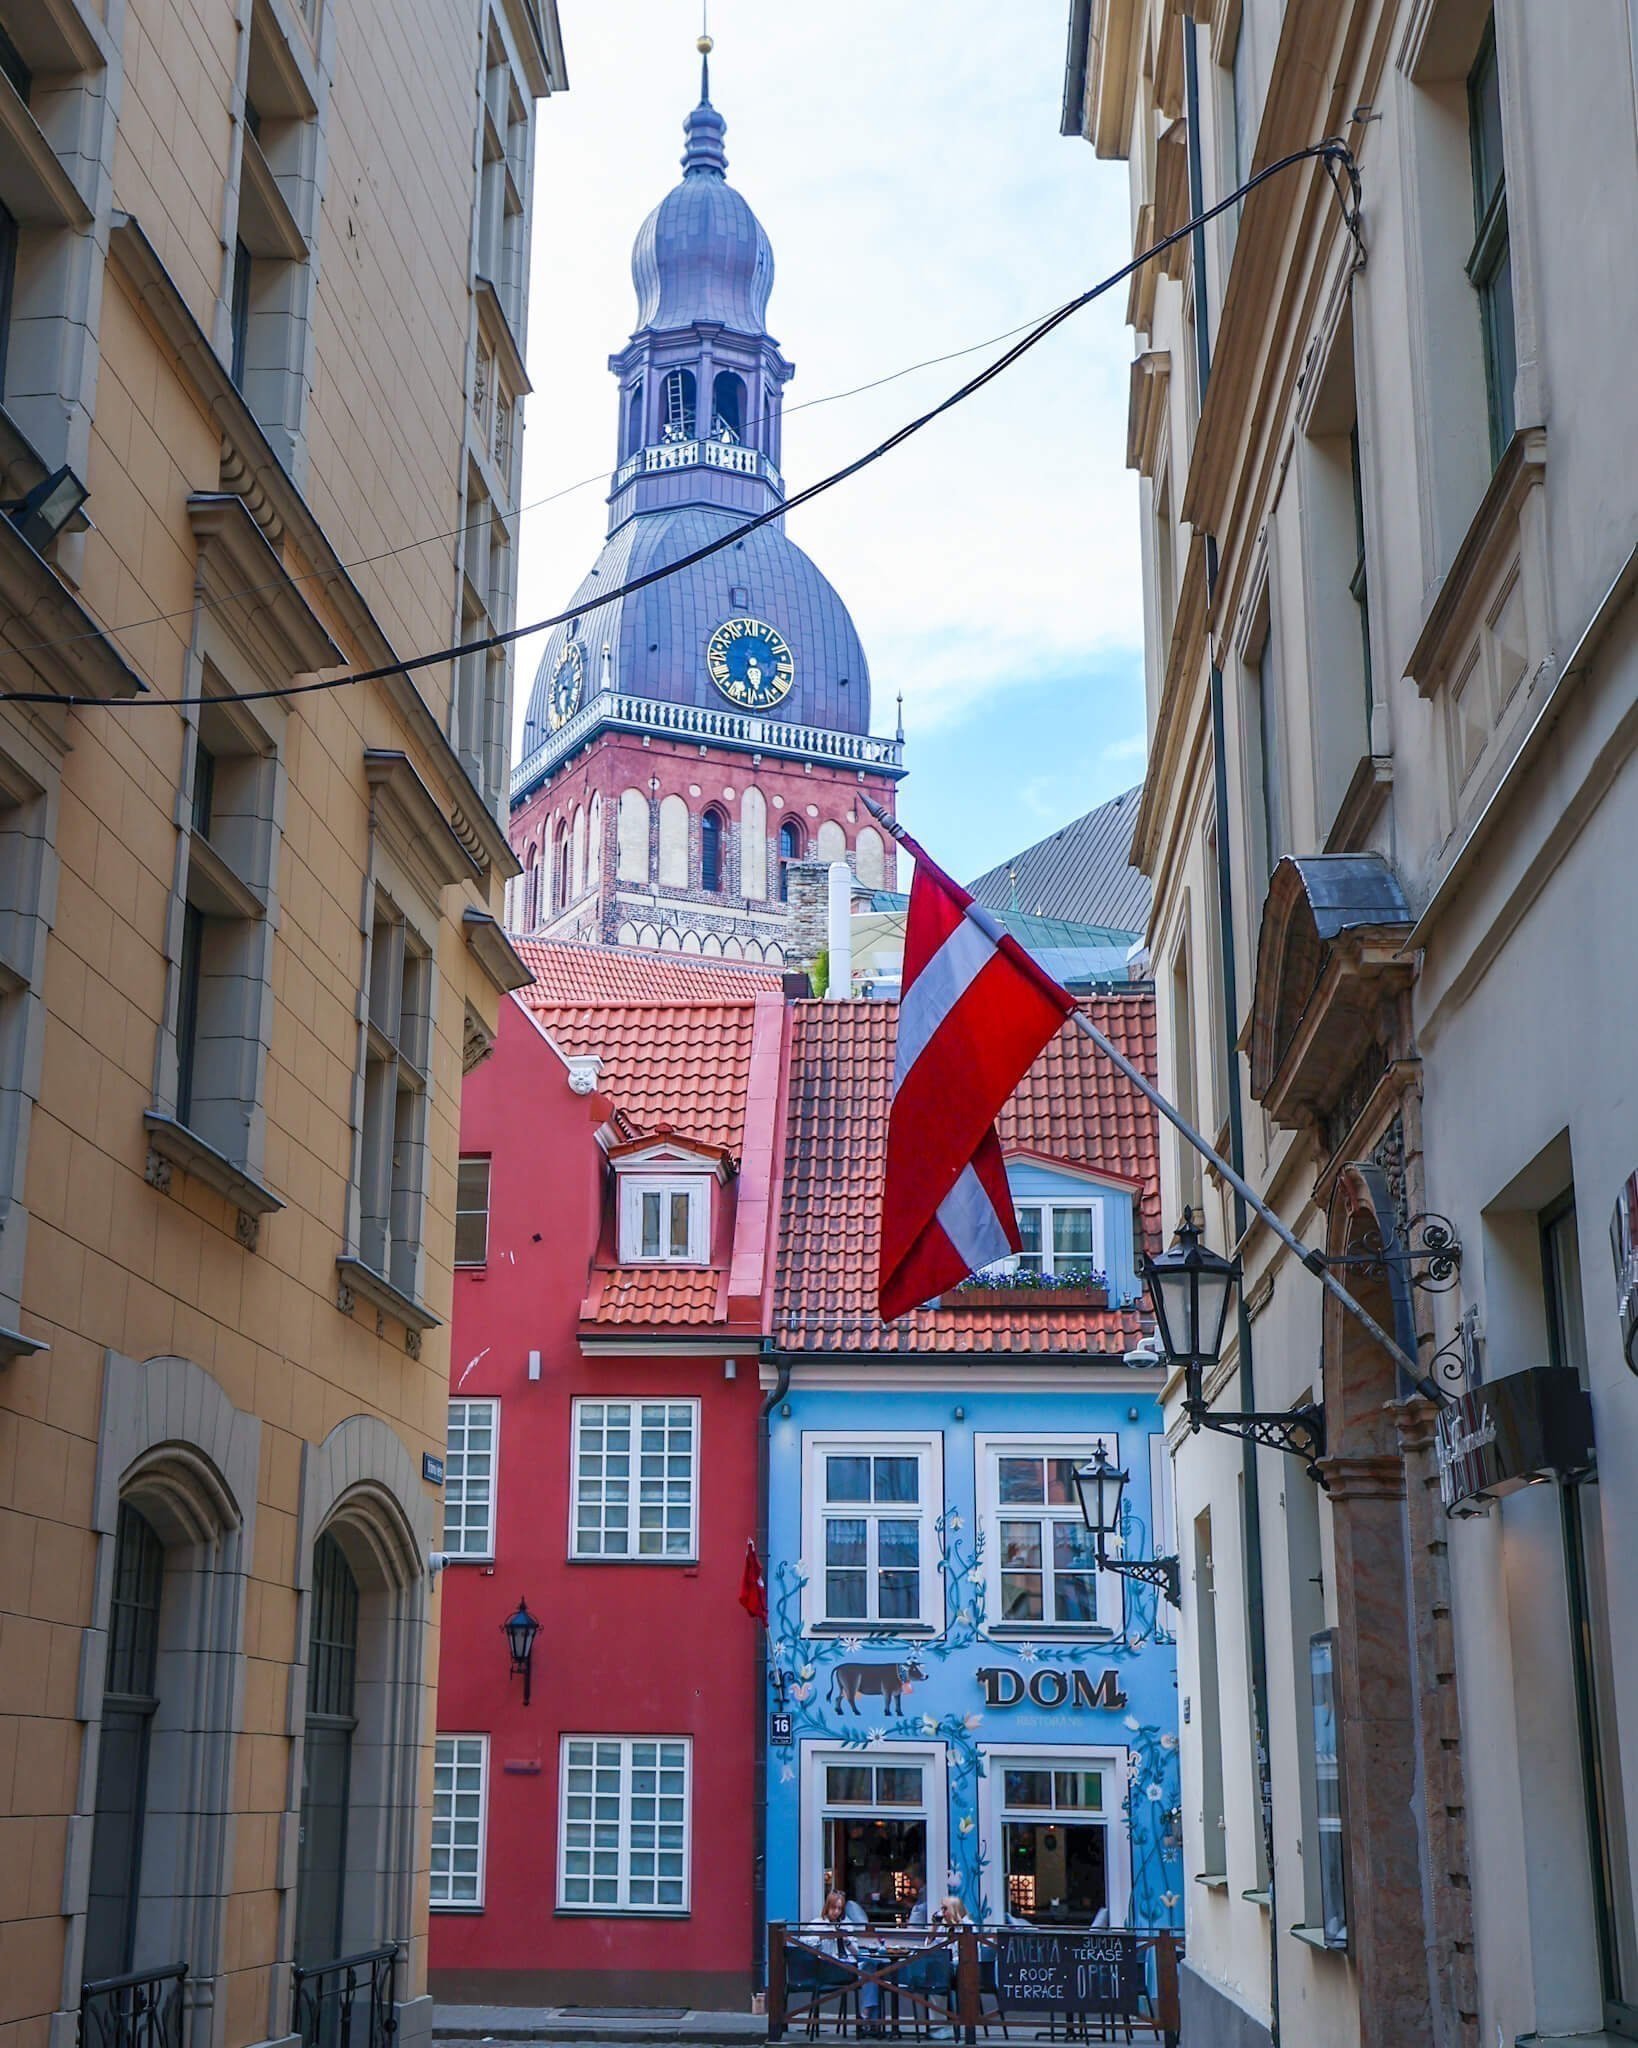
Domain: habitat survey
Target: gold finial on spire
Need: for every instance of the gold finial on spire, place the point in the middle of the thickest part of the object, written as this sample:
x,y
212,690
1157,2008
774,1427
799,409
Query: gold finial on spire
x,y
704,45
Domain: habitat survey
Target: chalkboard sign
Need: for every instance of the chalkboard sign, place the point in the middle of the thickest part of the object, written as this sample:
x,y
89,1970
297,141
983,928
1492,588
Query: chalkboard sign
x,y
1094,1970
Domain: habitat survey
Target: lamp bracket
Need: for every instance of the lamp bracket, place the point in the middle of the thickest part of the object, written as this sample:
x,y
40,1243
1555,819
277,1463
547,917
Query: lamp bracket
x,y
1430,1242
1299,1432
1166,1573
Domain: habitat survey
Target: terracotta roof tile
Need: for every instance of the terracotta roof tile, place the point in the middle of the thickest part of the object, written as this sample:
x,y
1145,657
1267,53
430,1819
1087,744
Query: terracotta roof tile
x,y
1072,1106
677,1063
571,971
643,1297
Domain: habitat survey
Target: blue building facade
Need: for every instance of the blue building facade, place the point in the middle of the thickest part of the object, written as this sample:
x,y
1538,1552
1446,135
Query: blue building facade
x,y
974,1744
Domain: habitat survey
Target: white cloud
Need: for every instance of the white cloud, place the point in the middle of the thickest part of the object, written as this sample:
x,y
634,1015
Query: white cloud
x,y
906,162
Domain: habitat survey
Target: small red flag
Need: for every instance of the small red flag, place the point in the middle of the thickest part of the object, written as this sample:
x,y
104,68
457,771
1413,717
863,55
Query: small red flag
x,y
974,1015
753,1586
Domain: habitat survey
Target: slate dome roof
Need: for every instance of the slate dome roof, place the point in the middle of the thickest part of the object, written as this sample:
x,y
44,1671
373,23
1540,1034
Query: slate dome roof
x,y
656,637
702,254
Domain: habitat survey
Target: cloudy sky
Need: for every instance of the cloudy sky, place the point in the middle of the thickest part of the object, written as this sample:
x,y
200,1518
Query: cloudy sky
x,y
904,157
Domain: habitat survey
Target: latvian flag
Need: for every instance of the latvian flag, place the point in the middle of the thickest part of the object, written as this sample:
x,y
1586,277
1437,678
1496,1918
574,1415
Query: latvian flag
x,y
974,1014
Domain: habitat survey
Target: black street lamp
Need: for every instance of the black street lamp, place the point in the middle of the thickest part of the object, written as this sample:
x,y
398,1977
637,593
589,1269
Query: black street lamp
x,y
520,1631
1100,1487
1191,1288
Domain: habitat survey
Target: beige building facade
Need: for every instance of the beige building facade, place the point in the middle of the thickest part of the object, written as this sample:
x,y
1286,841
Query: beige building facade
x,y
1389,520
264,269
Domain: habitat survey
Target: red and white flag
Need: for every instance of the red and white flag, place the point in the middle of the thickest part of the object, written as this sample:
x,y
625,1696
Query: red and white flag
x,y
974,1013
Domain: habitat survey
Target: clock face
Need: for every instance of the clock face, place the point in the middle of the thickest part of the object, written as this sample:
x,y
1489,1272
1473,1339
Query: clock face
x,y
567,682
750,663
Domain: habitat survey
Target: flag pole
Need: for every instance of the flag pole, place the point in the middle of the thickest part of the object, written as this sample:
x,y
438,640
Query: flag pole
x,y
1312,1259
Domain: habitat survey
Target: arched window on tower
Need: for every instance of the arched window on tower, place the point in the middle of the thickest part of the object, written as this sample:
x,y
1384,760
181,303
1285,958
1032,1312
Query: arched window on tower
x,y
711,852
679,405
728,407
790,848
634,418
560,869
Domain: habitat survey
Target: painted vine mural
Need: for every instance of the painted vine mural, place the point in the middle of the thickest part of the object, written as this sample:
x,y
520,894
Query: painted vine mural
x,y
824,1679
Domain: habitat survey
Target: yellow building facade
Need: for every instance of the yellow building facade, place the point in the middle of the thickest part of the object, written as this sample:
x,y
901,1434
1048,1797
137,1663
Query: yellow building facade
x,y
264,270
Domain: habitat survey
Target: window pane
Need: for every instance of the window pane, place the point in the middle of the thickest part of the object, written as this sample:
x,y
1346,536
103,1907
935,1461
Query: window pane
x,y
845,1596
844,1540
898,1543
1029,1228
472,1212
897,1479
1061,1483
680,1207
1074,1790
1021,1596
1072,1547
1075,1597
898,1785
847,1479
847,1784
1019,1480
1021,1546
651,1224
1027,1788
900,1596
1072,1233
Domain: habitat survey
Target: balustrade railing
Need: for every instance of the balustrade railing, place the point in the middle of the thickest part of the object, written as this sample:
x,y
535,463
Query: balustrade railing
x,y
142,2009
728,455
699,722
349,2003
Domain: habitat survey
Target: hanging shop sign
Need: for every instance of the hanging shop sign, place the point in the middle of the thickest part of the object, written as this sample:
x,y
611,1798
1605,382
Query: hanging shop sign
x,y
1510,1433
1050,1686
1624,1248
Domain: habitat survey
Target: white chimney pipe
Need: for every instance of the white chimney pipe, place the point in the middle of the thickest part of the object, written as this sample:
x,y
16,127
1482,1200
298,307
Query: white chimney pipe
x,y
839,936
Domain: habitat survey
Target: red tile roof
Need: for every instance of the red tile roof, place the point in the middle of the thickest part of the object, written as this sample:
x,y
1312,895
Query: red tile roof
x,y
685,1065
572,971
677,1063
1073,1106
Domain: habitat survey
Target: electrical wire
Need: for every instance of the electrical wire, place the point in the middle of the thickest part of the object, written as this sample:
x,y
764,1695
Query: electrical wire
x,y
1332,150
516,516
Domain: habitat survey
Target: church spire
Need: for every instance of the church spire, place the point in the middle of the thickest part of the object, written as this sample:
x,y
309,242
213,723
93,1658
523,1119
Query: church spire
x,y
705,127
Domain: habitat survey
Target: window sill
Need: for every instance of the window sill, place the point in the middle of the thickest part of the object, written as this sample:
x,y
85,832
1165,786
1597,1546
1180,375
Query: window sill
x,y
1314,1937
623,1912
357,1278
467,1557
176,1145
1050,1632
13,1344
435,1907
689,1563
1258,1899
1213,1880
874,1631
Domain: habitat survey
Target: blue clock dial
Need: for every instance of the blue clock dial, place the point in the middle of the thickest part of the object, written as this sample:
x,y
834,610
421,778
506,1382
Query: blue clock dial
x,y
750,663
568,679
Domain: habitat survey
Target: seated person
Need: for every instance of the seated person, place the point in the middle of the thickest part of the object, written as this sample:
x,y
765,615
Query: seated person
x,y
916,1886
840,1913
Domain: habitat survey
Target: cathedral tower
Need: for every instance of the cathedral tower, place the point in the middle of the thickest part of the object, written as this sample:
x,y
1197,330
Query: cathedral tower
x,y
684,744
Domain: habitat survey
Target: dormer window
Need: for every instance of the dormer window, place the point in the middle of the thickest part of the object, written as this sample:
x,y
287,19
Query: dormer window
x,y
665,1221
1063,1238
664,1185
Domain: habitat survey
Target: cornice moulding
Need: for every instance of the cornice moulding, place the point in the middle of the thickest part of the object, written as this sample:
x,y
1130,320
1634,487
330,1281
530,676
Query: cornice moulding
x,y
494,951
269,616
398,792
53,640
248,455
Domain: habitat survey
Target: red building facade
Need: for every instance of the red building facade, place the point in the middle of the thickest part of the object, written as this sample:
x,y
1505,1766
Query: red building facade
x,y
596,1845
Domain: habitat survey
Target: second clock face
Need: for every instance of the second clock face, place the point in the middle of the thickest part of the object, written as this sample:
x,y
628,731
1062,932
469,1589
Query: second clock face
x,y
750,663
568,679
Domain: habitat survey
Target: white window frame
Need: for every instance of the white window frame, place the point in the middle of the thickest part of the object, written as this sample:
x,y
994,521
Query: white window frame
x,y
636,1403
817,1756
448,1904
1109,1758
988,1450
624,1909
696,1186
486,1555
487,1161
1048,1205
929,1450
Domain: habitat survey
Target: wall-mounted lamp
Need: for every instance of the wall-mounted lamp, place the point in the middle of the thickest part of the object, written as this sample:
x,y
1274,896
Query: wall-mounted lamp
x,y
1101,1487
48,508
520,1630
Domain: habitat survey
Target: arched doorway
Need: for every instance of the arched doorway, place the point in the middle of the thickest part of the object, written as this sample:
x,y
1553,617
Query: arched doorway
x,y
332,1679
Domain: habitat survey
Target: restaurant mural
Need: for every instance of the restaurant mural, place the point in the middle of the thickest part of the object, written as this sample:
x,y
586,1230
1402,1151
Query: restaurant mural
x,y
961,1705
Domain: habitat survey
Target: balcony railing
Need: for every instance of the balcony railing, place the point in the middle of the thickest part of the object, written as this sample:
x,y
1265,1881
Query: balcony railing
x,y
348,2003
687,454
142,2009
697,722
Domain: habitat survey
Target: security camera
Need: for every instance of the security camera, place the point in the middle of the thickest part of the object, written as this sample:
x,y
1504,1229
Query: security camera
x,y
436,1560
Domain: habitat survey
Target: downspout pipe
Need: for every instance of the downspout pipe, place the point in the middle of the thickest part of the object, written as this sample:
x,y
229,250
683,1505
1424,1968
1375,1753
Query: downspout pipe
x,y
1252,1534
759,1845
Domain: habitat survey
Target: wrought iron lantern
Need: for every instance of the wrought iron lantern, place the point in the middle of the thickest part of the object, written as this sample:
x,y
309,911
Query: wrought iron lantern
x,y
1101,1488
1192,1289
520,1630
